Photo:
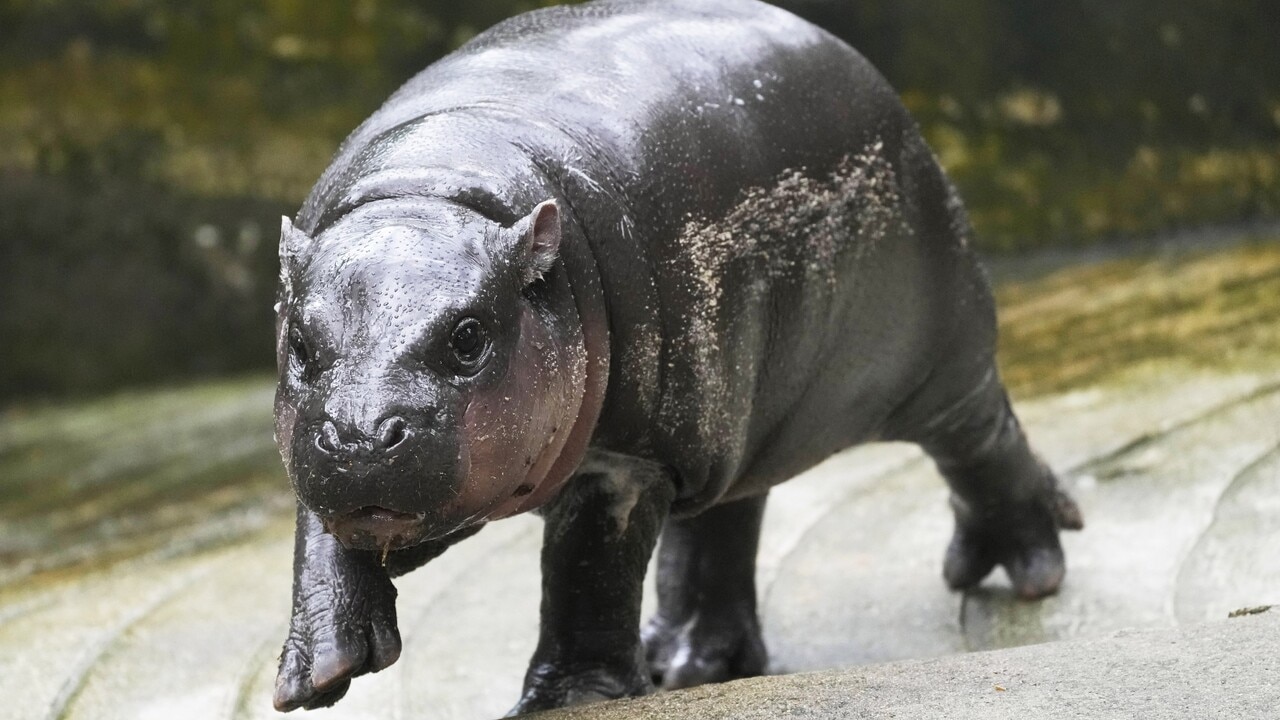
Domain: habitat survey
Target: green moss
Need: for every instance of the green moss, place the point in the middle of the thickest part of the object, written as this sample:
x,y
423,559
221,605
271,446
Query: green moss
x,y
133,470
1091,323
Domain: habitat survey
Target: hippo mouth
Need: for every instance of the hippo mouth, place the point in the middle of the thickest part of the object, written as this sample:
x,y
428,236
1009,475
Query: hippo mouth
x,y
377,528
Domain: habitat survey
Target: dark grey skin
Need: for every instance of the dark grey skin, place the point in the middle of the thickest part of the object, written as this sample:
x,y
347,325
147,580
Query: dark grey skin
x,y
629,265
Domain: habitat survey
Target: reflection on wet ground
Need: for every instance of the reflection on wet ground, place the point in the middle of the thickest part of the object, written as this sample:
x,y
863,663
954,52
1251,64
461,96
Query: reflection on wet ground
x,y
145,549
135,472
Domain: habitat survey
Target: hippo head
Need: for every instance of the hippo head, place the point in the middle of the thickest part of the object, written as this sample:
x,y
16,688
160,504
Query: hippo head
x,y
431,368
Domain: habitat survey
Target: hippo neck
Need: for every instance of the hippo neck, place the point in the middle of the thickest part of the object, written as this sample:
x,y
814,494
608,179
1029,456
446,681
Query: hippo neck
x,y
418,160
588,294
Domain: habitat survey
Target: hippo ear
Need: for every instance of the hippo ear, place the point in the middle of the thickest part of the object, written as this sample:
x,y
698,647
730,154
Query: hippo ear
x,y
292,242
538,242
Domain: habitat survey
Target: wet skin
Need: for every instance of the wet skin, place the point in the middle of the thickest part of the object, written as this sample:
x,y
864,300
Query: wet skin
x,y
629,265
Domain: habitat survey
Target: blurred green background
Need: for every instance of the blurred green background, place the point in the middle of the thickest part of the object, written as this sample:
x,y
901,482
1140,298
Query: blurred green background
x,y
148,148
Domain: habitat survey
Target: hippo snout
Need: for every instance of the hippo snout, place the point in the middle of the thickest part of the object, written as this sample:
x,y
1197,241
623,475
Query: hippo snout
x,y
391,433
393,476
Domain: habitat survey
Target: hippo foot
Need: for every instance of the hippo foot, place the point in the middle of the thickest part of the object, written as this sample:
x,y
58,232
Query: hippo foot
x,y
1021,538
334,639
707,648
548,686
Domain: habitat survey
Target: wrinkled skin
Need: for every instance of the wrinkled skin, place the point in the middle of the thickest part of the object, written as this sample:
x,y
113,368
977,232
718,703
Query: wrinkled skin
x,y
629,264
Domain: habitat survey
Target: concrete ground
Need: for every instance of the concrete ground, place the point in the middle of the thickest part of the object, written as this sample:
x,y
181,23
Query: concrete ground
x,y
143,575
1222,670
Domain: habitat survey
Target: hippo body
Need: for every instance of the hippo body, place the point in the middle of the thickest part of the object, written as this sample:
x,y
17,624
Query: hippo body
x,y
628,264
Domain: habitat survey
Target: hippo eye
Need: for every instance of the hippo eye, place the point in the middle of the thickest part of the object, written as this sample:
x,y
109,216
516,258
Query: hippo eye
x,y
469,342
299,350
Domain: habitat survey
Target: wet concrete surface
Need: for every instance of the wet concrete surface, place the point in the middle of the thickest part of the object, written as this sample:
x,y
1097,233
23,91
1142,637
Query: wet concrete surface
x,y
1222,670
155,583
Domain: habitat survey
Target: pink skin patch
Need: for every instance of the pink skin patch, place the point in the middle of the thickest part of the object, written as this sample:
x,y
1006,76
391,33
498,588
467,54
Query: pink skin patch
x,y
515,432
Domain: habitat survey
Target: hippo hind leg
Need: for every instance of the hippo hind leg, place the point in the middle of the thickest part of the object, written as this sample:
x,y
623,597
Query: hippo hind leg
x,y
706,628
1008,504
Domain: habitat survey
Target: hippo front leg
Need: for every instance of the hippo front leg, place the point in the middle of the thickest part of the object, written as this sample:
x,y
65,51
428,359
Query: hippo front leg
x,y
344,613
600,532
343,623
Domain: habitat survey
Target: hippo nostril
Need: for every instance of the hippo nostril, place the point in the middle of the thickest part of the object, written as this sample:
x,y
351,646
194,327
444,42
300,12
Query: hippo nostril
x,y
391,433
327,440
